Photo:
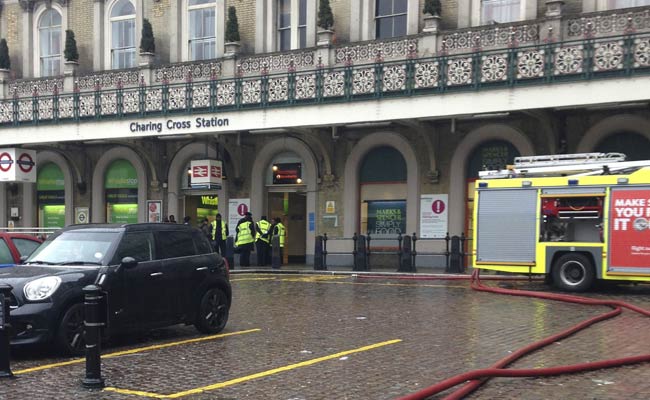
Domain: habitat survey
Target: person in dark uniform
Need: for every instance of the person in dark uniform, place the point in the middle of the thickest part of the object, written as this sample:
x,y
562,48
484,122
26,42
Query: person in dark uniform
x,y
263,227
244,239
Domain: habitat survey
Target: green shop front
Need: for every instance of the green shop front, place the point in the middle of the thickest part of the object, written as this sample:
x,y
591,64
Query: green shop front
x,y
121,191
50,192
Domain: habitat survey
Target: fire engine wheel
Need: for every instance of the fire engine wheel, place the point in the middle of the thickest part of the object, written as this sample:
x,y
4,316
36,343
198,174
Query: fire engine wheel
x,y
573,272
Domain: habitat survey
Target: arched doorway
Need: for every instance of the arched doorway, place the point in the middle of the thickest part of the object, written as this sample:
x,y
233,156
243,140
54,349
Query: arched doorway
x,y
382,193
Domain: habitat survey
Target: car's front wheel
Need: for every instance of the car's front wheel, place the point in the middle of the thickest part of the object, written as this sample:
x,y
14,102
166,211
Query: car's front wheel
x,y
70,337
213,311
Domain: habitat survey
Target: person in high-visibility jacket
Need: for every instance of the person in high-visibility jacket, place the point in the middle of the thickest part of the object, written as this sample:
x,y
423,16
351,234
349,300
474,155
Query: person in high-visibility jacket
x,y
280,232
219,235
245,238
263,248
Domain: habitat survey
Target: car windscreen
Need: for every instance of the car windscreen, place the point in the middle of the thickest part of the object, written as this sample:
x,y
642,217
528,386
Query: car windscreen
x,y
77,247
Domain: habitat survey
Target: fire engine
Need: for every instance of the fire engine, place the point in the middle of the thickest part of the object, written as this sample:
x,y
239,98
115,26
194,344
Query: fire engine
x,y
576,218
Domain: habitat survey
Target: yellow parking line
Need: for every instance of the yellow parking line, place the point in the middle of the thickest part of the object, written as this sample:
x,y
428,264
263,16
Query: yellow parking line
x,y
258,375
133,351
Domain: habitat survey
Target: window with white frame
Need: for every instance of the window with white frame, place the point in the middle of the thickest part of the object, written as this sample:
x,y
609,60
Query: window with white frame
x,y
627,3
122,34
501,11
390,18
202,25
287,30
50,42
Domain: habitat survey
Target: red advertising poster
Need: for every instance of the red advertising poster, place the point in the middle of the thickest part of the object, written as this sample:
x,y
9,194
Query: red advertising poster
x,y
629,229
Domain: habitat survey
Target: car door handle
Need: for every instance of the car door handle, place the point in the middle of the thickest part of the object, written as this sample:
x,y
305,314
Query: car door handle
x,y
156,274
201,268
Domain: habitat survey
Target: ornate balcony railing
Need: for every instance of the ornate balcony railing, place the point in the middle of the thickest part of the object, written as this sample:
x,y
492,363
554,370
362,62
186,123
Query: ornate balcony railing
x,y
541,64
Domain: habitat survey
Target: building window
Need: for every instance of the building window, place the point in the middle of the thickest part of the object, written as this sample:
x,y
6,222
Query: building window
x,y
501,11
286,29
627,3
50,43
202,29
122,34
390,18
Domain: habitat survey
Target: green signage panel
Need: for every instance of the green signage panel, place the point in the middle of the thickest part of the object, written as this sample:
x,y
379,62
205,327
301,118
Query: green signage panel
x,y
209,213
52,216
123,213
387,217
50,177
121,175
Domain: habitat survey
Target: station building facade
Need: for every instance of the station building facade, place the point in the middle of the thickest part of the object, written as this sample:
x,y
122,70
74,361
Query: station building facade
x,y
328,130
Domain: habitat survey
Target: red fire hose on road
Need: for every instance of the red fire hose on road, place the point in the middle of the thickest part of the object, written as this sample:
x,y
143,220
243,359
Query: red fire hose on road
x,y
476,378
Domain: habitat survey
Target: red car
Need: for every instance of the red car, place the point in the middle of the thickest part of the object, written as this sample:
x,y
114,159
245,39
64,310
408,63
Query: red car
x,y
15,245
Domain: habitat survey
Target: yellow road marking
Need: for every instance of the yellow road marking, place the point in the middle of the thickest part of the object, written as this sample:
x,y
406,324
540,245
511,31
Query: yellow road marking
x,y
133,351
258,375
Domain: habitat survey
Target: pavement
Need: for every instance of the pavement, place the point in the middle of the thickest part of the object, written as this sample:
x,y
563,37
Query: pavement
x,y
300,334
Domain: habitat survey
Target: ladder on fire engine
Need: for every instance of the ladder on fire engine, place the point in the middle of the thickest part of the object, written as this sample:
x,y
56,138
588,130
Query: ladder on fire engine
x,y
579,164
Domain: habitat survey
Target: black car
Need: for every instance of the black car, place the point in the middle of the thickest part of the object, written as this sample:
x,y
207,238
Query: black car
x,y
153,275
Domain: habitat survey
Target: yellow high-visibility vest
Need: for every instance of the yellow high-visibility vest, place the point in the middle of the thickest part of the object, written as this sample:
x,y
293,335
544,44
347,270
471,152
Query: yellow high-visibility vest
x,y
264,227
244,234
281,232
223,230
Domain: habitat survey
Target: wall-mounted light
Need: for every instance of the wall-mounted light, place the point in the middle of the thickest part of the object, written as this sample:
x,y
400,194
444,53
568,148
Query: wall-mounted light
x,y
189,171
274,168
299,181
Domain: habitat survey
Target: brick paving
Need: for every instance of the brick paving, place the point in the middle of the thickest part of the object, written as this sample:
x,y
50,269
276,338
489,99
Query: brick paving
x,y
445,329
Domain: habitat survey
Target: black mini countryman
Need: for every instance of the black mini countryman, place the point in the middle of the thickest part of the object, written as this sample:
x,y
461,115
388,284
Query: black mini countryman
x,y
153,275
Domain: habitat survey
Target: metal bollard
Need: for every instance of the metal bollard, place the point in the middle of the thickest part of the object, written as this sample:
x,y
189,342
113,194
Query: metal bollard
x,y
360,255
276,257
325,251
455,258
318,253
230,252
414,252
5,330
405,260
93,322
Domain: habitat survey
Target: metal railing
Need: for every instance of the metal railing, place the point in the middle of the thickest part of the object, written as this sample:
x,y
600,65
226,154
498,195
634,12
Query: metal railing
x,y
406,252
39,232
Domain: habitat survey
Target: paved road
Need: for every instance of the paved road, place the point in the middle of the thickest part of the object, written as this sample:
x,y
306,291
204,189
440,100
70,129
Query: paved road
x,y
304,336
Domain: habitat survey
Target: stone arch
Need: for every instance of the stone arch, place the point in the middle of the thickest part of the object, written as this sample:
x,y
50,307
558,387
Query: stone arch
x,y
608,126
351,177
310,175
29,196
459,165
98,211
176,172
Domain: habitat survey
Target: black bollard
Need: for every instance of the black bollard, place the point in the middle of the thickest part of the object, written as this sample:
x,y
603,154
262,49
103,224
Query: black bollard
x,y
276,257
360,255
230,252
455,256
405,260
325,251
5,328
93,322
318,254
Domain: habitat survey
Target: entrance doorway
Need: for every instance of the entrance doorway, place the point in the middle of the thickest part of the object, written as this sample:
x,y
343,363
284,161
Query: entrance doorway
x,y
201,206
291,207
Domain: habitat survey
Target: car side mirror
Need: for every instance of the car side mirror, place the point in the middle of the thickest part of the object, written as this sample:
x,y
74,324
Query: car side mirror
x,y
23,259
128,262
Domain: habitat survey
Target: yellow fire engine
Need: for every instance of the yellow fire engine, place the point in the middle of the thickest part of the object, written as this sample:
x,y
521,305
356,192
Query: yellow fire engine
x,y
574,217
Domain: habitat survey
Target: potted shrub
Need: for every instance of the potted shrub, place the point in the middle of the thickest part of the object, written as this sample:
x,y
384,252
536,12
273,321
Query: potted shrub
x,y
432,11
70,53
147,44
232,32
325,23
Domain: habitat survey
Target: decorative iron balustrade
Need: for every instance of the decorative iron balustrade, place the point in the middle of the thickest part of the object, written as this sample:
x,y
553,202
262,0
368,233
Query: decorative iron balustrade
x,y
608,23
541,64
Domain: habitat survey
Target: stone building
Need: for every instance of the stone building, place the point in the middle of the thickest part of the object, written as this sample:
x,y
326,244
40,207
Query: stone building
x,y
357,129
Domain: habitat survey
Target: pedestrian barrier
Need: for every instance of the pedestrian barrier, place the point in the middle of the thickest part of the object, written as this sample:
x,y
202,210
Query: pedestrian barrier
x,y
39,232
5,330
406,251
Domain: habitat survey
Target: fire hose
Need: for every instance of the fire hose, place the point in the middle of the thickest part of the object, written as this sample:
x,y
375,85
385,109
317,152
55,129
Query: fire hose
x,y
474,379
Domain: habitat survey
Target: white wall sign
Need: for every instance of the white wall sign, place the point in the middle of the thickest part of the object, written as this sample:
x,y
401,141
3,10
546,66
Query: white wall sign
x,y
17,165
434,212
154,210
206,174
236,210
81,215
